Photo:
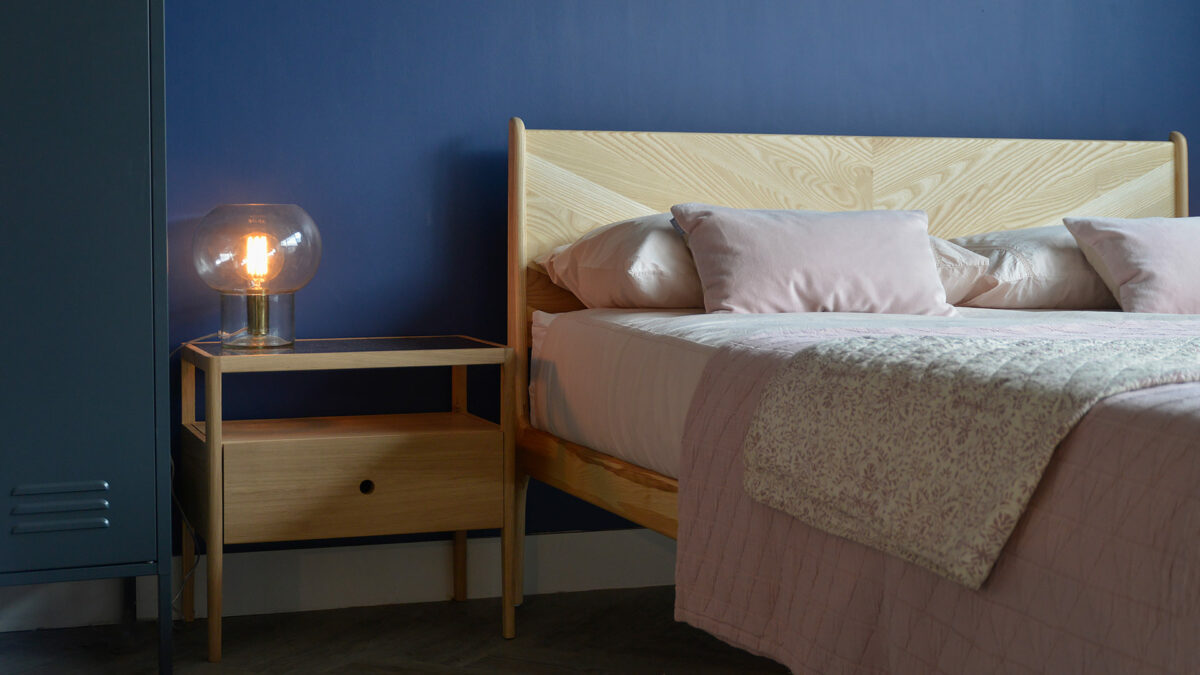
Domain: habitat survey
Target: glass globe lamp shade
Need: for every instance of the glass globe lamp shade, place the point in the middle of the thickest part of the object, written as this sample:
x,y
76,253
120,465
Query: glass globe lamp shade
x,y
257,256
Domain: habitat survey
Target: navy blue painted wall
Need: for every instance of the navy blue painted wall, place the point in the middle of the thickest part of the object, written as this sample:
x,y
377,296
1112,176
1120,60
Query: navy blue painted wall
x,y
386,120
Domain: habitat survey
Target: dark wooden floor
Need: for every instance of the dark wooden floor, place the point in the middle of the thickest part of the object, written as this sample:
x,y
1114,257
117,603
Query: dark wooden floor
x,y
622,631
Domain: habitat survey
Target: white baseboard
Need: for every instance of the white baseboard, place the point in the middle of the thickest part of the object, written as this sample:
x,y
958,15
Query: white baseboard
x,y
297,580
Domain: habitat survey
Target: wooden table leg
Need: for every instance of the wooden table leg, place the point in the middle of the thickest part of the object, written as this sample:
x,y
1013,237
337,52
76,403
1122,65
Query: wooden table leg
x,y
460,565
187,391
187,561
458,403
187,380
215,538
458,388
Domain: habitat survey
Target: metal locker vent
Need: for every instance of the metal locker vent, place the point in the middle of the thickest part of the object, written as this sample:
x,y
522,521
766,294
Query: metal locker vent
x,y
40,509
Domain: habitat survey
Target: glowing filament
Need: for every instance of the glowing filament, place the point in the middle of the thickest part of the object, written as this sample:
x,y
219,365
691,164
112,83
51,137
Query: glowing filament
x,y
257,267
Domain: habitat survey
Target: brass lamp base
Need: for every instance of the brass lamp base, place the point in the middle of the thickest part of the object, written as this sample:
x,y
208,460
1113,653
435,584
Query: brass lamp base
x,y
258,312
257,320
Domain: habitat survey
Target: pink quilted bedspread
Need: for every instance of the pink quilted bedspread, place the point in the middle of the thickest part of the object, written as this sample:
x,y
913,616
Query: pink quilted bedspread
x,y
1101,575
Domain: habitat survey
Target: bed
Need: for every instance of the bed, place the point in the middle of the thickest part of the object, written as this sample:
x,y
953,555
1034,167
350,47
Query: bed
x,y
565,183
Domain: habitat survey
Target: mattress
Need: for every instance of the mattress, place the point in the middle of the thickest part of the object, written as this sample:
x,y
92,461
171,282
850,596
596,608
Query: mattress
x,y
621,381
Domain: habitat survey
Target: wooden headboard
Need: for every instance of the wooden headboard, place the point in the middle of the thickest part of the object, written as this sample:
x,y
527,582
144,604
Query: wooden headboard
x,y
561,184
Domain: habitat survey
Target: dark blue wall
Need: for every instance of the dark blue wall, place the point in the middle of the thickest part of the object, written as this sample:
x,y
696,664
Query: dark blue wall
x,y
386,120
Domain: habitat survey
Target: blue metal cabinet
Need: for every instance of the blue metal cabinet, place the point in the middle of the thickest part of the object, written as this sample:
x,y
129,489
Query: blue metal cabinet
x,y
84,466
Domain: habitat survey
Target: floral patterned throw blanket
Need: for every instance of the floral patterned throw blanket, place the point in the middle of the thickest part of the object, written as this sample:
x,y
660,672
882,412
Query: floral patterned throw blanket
x,y
929,447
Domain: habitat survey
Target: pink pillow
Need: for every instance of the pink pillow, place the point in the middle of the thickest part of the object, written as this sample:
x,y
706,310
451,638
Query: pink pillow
x,y
641,262
809,261
1150,264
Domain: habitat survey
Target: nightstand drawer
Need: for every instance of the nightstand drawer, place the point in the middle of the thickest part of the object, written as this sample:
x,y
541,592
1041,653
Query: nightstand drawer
x,y
389,474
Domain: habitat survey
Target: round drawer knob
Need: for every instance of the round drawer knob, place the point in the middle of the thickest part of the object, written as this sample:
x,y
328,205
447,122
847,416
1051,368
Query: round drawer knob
x,y
366,487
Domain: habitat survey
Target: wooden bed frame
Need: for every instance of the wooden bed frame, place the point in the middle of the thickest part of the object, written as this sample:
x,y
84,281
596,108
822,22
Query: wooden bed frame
x,y
564,183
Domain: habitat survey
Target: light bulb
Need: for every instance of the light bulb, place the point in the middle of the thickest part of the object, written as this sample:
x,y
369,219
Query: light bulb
x,y
262,260
257,256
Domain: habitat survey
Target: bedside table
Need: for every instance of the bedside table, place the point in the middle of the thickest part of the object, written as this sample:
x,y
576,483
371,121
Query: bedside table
x,y
250,481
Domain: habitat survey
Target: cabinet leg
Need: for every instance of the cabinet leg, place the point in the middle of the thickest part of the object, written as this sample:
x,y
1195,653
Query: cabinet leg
x,y
164,621
187,561
460,565
518,575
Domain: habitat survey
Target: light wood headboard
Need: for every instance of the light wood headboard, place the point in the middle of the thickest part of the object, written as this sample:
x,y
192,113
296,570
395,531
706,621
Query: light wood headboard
x,y
564,183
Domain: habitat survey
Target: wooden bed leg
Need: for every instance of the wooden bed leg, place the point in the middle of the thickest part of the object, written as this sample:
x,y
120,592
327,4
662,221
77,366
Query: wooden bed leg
x,y
508,530
518,579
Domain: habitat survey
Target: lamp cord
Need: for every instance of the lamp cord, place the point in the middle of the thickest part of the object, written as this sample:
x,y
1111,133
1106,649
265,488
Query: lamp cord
x,y
188,342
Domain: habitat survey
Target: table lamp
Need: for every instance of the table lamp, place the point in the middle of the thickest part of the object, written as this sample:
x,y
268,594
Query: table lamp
x,y
257,256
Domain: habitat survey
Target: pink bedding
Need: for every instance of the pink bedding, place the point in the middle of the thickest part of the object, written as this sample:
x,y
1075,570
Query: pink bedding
x,y
1101,575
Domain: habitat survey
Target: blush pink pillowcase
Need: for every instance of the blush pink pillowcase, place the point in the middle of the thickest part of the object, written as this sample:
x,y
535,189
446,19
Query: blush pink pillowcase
x,y
1149,264
755,261
640,262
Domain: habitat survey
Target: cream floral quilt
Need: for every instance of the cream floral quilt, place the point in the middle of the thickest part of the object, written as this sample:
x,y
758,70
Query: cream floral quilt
x,y
929,447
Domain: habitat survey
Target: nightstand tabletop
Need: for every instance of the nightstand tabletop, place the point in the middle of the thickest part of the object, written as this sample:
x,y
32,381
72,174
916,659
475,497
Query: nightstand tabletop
x,y
346,353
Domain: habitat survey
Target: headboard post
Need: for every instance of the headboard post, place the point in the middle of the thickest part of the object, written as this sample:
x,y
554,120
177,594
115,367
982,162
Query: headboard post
x,y
1181,174
518,320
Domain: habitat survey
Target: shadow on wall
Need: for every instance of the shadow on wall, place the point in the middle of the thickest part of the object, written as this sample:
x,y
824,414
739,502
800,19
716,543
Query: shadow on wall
x,y
194,306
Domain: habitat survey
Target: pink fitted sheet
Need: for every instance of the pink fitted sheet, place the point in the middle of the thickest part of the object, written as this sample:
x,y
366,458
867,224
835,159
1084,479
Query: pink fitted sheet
x,y
620,381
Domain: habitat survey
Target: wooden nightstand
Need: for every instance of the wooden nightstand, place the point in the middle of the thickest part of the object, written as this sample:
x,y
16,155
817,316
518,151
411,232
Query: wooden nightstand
x,y
243,481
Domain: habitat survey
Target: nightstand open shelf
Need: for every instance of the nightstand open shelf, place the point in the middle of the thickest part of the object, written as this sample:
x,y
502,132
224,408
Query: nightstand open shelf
x,y
266,480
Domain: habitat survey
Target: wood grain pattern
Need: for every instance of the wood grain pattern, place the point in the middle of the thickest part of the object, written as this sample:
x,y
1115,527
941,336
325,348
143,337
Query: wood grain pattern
x,y
214,534
1181,174
424,477
579,180
508,533
332,477
187,389
520,492
646,497
518,264
262,363
351,427
563,184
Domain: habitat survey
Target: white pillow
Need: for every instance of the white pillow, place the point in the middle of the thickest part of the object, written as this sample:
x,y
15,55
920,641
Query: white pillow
x,y
1037,268
964,273
641,262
